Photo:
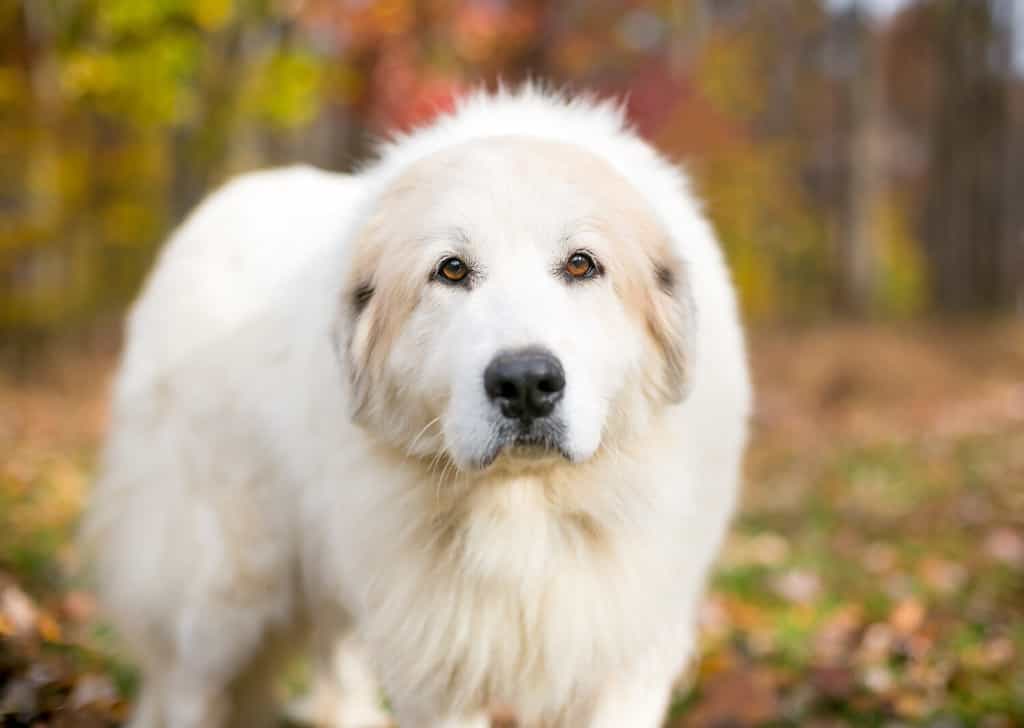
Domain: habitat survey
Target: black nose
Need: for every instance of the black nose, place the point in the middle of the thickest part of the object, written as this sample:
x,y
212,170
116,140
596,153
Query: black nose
x,y
526,384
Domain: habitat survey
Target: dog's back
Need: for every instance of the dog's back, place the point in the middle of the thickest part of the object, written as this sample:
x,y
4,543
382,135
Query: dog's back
x,y
197,356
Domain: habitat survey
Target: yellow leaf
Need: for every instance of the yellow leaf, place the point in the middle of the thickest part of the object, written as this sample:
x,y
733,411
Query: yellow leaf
x,y
48,628
212,15
907,617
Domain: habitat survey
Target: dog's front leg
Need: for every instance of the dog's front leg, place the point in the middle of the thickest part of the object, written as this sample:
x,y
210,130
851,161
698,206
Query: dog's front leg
x,y
638,702
347,694
416,718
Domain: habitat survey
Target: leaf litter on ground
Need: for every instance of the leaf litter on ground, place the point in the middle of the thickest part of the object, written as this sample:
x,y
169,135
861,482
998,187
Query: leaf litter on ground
x,y
875,576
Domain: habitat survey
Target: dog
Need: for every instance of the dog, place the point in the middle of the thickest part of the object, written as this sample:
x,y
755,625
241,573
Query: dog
x,y
469,423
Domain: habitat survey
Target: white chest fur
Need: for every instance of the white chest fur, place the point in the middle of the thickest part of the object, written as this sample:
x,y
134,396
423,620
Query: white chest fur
x,y
516,591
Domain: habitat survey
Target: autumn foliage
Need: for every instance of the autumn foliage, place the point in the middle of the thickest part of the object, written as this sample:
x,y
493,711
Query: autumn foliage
x,y
858,168
854,163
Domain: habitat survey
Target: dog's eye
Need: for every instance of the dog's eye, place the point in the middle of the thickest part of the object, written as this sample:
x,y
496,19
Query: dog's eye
x,y
580,265
452,270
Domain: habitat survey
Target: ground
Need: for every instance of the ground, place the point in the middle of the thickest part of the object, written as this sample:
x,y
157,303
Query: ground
x,y
874,578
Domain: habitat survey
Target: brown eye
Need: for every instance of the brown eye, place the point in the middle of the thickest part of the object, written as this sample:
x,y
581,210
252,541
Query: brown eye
x,y
580,265
452,269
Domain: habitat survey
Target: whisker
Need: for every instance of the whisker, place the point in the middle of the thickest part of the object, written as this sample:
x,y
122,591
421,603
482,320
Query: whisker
x,y
412,445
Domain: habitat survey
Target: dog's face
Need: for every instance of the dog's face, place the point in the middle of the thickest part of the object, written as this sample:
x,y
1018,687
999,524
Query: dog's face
x,y
513,300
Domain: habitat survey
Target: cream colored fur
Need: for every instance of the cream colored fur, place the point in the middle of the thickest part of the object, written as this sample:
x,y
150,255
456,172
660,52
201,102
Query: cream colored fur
x,y
299,440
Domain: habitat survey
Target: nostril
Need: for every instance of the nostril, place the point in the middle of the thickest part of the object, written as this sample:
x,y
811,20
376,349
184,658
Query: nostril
x,y
550,385
508,390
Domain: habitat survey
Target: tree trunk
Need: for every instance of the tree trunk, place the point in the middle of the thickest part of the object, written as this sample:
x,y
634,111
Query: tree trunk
x,y
867,179
858,174
966,225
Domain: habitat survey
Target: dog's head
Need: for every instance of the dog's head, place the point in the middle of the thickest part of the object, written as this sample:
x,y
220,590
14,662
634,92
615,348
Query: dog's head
x,y
513,298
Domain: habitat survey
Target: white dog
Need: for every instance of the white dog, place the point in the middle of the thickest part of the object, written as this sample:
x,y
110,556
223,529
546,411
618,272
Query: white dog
x,y
470,420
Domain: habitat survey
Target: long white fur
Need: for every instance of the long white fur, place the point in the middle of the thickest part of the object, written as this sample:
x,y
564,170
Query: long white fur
x,y
239,508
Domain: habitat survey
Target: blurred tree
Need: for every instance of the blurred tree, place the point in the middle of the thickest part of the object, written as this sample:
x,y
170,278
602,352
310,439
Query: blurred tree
x,y
118,115
843,157
856,136
970,221
758,67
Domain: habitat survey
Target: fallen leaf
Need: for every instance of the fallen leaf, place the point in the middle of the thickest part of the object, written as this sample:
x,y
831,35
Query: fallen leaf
x,y
835,636
769,549
878,679
92,690
879,558
877,643
799,586
997,721
713,617
738,697
834,682
991,655
1006,545
942,576
18,610
79,606
48,628
907,617
910,705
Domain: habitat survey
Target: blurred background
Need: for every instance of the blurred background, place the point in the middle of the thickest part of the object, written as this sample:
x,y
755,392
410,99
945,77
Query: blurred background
x,y
863,161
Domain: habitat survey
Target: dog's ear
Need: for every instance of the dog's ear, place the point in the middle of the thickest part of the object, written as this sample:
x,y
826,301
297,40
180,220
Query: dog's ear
x,y
671,321
375,302
359,321
360,329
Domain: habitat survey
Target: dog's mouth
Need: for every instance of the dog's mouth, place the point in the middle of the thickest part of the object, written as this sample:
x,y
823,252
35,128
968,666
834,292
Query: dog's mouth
x,y
534,443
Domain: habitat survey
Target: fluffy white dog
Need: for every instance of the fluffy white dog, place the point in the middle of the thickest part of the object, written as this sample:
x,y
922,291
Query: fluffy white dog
x,y
470,421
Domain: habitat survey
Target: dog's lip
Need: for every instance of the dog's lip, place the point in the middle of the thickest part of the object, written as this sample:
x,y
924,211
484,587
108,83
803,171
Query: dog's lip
x,y
535,450
526,449
533,442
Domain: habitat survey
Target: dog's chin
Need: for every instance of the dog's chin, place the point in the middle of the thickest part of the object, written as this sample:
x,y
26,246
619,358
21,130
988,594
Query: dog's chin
x,y
518,449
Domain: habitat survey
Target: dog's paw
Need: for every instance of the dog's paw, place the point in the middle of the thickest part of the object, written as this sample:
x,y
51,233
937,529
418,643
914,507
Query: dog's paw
x,y
351,713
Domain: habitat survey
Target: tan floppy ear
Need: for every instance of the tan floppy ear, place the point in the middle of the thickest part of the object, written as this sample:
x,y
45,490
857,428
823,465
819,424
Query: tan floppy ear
x,y
361,330
375,304
671,320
